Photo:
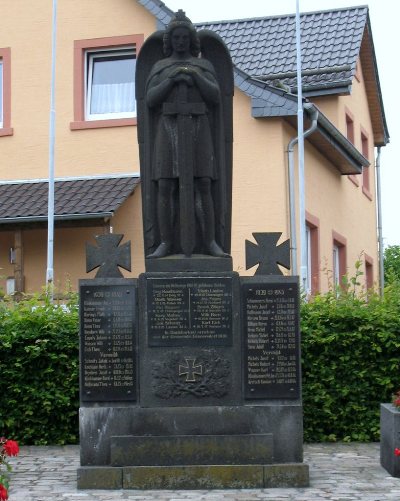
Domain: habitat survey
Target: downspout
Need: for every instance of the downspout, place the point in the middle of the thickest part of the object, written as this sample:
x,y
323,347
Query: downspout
x,y
313,113
379,210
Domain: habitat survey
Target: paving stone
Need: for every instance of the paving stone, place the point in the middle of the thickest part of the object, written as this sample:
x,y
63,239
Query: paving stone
x,y
338,472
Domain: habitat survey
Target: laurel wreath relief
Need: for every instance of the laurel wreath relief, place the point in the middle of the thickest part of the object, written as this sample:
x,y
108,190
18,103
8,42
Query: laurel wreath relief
x,y
205,375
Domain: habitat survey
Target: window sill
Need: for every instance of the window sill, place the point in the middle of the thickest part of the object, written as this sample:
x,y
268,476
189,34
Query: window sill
x,y
354,179
98,124
367,193
6,131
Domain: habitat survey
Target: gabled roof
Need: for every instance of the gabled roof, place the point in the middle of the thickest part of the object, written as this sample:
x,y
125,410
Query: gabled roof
x,y
264,49
332,43
86,198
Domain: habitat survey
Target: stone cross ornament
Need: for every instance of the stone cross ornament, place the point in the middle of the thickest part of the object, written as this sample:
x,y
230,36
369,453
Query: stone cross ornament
x,y
108,256
268,254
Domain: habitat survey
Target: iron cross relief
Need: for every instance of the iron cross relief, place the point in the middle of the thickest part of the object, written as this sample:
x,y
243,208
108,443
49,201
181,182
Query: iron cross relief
x,y
108,256
190,370
267,254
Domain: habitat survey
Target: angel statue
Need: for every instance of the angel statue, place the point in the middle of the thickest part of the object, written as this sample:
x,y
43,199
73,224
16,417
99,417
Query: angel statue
x,y
184,89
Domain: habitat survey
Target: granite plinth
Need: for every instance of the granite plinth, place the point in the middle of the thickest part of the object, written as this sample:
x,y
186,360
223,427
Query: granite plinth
x,y
283,420
390,439
190,342
195,477
191,449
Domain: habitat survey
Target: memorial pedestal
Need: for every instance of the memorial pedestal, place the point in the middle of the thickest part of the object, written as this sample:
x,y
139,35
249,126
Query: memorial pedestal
x,y
218,388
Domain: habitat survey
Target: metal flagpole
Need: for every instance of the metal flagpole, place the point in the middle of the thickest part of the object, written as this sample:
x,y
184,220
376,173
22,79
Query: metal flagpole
x,y
300,132
50,213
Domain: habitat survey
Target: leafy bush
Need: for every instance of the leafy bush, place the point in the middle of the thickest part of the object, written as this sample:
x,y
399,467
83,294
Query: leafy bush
x,y
39,398
391,260
351,361
350,351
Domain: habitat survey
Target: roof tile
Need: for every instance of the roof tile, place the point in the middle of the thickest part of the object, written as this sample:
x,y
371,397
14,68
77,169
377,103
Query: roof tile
x,y
328,36
82,196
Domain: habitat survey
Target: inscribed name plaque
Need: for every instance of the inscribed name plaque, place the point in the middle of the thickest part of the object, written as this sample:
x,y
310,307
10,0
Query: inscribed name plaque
x,y
108,341
272,338
190,311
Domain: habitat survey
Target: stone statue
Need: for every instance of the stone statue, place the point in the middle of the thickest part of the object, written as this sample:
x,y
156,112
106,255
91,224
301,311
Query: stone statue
x,y
184,89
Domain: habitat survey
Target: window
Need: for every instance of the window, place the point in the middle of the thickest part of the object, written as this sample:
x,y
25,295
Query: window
x,y
5,92
309,274
110,88
104,81
366,170
349,127
358,71
369,272
338,259
313,275
1,93
336,266
350,137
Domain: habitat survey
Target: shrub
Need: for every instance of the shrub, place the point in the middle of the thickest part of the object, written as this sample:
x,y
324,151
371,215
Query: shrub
x,y
391,259
351,360
350,352
39,398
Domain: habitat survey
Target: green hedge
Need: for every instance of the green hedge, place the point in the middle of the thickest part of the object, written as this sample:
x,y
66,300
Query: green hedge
x,y
39,368
350,351
351,361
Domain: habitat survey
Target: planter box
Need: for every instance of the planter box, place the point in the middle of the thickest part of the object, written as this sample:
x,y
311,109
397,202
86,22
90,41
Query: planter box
x,y
390,439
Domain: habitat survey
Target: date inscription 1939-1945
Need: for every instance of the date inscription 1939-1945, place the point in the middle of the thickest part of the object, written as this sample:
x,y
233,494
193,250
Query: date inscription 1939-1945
x,y
271,340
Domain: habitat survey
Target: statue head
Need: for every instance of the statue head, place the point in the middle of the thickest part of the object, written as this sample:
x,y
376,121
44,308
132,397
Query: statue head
x,y
181,21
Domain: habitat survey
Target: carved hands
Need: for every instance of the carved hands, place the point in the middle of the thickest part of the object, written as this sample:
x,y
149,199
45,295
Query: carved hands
x,y
183,74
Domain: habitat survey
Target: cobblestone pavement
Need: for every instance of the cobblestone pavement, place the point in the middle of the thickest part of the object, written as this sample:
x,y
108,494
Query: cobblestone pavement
x,y
338,472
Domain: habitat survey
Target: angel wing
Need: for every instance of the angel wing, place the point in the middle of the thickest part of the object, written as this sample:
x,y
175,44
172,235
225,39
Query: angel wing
x,y
150,53
214,49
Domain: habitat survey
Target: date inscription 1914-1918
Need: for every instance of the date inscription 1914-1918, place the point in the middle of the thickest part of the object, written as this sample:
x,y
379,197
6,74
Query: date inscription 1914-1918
x,y
108,361
271,341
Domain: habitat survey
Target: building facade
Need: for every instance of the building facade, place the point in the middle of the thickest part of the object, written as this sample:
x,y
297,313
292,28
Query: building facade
x,y
97,187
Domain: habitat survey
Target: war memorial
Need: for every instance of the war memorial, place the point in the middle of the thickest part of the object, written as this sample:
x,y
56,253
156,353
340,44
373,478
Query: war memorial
x,y
190,374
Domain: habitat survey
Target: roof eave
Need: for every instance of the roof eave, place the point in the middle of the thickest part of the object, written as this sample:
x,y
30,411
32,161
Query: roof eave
x,y
314,91
159,10
328,139
373,87
57,217
332,144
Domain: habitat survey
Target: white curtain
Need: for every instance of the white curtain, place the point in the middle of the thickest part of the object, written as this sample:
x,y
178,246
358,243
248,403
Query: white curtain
x,y
113,98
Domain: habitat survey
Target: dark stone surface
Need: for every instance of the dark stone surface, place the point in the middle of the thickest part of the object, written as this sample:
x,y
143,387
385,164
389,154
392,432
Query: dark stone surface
x,y
194,477
198,362
102,477
178,262
286,475
189,311
191,449
271,337
267,254
284,419
390,439
289,475
185,141
107,256
108,366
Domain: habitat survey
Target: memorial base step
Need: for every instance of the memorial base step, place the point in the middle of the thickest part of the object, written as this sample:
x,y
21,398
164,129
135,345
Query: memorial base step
x,y
191,449
288,475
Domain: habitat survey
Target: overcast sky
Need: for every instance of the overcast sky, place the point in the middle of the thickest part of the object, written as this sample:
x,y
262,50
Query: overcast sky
x,y
385,21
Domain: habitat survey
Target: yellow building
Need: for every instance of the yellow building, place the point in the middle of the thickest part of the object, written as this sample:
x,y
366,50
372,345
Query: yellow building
x,y
96,151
